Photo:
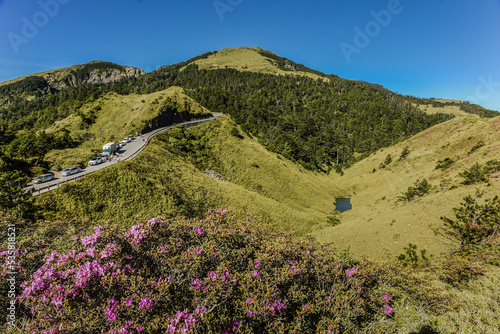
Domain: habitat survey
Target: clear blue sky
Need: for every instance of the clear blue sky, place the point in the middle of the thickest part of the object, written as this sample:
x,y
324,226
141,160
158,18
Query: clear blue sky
x,y
426,48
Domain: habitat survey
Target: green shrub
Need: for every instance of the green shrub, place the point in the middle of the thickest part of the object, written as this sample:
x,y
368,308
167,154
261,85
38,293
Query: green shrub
x,y
475,174
404,154
460,271
235,133
411,258
475,225
387,161
333,219
492,166
419,189
476,147
444,163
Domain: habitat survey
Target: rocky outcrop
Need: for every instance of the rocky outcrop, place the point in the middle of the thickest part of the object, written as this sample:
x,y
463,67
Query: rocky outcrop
x,y
83,75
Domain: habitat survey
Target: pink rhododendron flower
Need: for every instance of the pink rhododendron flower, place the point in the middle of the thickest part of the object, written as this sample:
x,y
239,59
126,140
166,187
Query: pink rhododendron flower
x,y
351,271
136,234
91,239
145,303
154,221
387,309
128,302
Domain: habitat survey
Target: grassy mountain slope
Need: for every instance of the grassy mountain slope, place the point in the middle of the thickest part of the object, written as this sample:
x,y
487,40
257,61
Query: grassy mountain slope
x,y
113,117
378,221
169,180
255,59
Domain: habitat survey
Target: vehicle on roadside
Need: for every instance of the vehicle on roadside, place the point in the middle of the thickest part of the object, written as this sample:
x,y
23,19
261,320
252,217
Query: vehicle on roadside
x,y
126,140
131,137
95,161
109,148
44,178
122,143
71,171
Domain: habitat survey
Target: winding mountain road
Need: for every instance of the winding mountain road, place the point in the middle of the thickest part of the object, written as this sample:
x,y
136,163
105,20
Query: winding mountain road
x,y
128,152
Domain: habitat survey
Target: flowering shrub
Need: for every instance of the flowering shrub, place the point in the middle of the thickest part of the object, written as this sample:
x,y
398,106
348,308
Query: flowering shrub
x,y
207,275
459,271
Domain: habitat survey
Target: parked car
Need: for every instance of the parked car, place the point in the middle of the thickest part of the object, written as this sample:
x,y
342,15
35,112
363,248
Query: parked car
x,y
131,137
44,178
95,161
126,140
122,143
71,171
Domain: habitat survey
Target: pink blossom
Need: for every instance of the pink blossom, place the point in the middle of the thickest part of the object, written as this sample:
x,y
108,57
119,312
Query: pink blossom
x,y
91,239
351,271
145,303
387,309
91,252
257,264
213,275
197,283
128,302
387,298
136,234
198,250
110,310
256,274
198,230
154,221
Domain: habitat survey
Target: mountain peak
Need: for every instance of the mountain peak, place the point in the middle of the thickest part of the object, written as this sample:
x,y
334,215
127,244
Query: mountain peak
x,y
253,59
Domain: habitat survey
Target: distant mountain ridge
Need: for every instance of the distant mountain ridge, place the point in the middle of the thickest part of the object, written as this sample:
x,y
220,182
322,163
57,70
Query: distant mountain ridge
x,y
320,121
41,84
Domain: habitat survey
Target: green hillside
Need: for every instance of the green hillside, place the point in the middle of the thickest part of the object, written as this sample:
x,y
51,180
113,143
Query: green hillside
x,y
379,221
172,177
292,141
254,59
107,119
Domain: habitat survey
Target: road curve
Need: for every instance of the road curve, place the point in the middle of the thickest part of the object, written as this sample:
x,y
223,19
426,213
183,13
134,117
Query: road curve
x,y
128,152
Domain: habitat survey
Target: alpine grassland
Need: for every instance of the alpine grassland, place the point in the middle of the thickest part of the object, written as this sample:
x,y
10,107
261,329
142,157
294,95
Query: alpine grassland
x,y
230,226
380,222
188,171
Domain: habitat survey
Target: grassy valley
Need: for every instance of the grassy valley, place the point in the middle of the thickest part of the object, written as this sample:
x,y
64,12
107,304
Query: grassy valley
x,y
379,221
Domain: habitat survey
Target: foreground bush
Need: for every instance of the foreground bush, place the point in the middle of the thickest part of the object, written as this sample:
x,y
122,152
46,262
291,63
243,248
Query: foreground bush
x,y
210,275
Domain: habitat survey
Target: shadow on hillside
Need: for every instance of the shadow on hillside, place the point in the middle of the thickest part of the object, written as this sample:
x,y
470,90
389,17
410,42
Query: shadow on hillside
x,y
426,330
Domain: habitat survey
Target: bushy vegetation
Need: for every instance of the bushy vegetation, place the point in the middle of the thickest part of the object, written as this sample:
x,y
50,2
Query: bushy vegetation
x,y
475,224
477,173
386,162
419,189
445,163
212,275
405,153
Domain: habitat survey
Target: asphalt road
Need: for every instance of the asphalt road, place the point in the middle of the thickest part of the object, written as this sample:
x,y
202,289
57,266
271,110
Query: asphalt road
x,y
128,152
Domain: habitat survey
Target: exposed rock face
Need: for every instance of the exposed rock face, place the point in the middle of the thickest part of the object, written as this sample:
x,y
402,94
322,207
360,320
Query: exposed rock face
x,y
97,76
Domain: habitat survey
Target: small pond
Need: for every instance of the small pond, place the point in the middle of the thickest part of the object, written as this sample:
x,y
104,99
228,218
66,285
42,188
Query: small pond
x,y
343,204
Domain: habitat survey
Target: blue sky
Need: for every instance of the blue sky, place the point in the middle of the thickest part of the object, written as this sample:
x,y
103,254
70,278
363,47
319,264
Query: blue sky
x,y
426,48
